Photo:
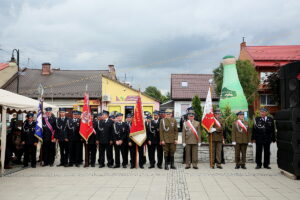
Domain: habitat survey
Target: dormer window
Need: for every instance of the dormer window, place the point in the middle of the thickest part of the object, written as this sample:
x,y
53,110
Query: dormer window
x,y
184,84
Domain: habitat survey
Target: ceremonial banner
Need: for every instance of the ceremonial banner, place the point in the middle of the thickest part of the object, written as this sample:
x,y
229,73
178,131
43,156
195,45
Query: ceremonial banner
x,y
86,123
39,122
208,116
137,130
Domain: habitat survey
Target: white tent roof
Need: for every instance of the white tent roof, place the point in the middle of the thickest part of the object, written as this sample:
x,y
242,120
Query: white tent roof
x,y
19,102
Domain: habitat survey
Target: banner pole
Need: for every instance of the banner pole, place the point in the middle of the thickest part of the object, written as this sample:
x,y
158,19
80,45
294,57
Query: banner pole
x,y
136,156
86,160
210,135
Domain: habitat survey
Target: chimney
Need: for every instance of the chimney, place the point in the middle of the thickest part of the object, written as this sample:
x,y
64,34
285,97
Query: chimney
x,y
243,44
46,69
112,72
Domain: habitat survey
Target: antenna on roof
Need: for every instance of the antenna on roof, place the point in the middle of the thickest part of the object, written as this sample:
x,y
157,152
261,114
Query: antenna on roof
x,y
244,39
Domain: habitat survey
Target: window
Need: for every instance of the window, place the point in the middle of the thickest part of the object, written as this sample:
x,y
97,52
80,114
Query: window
x,y
184,107
267,100
264,76
184,84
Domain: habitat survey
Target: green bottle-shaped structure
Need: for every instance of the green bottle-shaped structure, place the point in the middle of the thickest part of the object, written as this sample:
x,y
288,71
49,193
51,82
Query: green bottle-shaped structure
x,y
232,93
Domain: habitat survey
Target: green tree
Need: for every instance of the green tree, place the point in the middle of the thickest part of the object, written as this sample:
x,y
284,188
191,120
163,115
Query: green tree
x,y
248,77
152,91
273,83
229,118
196,104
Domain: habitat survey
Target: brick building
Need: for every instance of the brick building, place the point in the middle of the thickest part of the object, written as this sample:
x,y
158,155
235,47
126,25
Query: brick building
x,y
268,59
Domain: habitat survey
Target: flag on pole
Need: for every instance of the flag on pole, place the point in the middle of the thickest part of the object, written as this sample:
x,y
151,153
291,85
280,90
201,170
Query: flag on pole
x,y
137,130
208,115
39,122
86,123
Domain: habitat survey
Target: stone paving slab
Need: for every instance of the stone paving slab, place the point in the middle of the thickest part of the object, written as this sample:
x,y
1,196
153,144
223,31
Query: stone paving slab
x,y
61,183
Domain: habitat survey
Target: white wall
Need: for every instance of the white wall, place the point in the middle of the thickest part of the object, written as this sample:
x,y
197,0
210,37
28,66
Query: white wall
x,y
177,106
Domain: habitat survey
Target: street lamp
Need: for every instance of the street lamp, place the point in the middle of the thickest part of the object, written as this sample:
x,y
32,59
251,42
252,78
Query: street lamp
x,y
13,60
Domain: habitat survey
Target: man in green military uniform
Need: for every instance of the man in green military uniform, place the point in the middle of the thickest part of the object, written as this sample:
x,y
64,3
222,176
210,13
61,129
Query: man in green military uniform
x,y
217,139
240,138
168,136
191,139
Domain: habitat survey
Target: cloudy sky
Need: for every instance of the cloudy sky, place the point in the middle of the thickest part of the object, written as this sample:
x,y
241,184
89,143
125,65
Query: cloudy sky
x,y
146,40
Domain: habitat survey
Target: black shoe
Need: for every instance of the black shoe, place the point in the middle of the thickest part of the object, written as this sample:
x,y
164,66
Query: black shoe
x,y
93,165
110,166
51,165
124,166
237,167
257,167
166,162
151,166
117,166
172,163
195,167
101,166
33,166
24,166
131,166
77,165
220,167
66,165
159,166
44,165
142,167
187,167
267,167
70,165
60,165
244,167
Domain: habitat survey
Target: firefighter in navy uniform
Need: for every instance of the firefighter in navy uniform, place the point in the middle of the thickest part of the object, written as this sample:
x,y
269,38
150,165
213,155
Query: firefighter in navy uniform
x,y
152,130
263,134
29,140
104,134
73,127
61,136
48,146
120,133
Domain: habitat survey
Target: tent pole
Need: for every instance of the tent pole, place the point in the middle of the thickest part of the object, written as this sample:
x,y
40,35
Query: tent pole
x,y
3,139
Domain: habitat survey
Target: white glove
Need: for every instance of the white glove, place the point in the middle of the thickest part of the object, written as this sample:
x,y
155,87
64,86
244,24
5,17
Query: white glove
x,y
213,130
250,144
199,144
233,143
183,144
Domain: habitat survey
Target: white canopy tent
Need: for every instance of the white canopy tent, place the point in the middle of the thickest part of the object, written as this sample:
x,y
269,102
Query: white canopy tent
x,y
19,103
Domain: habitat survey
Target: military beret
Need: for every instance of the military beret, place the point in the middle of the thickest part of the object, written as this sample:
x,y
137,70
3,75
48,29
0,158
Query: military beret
x,y
29,115
129,115
99,114
189,108
75,112
62,110
191,112
48,109
263,109
162,111
240,113
149,117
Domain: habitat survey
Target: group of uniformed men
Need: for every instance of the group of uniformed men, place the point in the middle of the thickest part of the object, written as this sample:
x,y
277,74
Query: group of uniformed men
x,y
112,135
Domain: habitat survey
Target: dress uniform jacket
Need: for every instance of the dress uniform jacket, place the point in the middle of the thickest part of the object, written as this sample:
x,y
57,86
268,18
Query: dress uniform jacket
x,y
218,134
120,131
73,126
28,132
104,131
238,134
152,130
47,134
61,129
263,130
168,130
188,136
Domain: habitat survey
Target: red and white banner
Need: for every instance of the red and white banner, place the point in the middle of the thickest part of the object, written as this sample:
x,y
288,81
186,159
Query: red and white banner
x,y
194,131
240,123
217,123
208,116
86,123
137,130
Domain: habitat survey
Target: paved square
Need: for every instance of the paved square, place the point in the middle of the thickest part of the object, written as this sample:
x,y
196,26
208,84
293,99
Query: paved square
x,y
93,183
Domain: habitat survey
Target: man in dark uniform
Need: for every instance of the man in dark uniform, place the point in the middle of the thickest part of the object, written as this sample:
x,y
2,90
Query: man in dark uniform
x,y
154,144
61,136
120,133
263,134
48,147
29,140
104,133
73,127
125,147
133,148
